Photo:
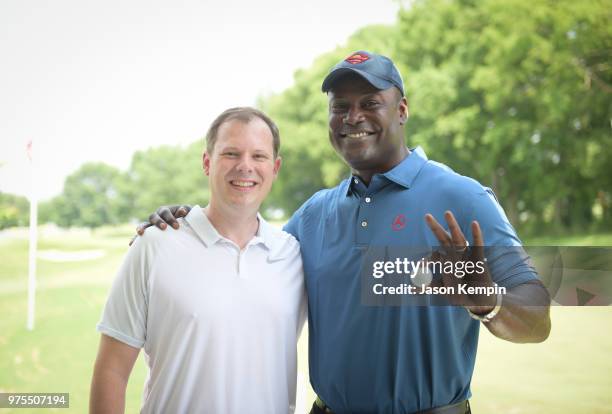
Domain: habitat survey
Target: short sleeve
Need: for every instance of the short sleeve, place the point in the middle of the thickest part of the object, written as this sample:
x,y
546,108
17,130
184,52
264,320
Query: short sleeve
x,y
125,314
293,225
508,262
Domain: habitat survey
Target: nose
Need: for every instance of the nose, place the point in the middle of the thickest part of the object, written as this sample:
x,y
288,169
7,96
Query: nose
x,y
245,164
353,115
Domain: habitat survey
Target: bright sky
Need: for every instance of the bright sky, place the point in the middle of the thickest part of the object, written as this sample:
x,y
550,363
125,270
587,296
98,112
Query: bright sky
x,y
96,81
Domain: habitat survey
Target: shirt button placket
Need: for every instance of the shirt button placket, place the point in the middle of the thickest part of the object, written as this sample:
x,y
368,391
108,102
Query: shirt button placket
x,y
363,221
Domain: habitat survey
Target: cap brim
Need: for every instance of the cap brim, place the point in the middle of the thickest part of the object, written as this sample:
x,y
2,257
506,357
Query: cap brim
x,y
336,74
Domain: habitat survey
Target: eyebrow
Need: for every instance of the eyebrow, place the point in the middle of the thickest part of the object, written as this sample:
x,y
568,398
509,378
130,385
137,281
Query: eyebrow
x,y
376,94
370,95
257,150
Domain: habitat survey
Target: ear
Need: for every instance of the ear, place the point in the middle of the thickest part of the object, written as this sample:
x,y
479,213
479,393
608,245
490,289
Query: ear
x,y
403,110
206,163
277,164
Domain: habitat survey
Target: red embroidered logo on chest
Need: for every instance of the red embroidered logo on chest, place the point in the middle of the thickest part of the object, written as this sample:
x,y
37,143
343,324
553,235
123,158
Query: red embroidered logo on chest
x,y
399,222
356,58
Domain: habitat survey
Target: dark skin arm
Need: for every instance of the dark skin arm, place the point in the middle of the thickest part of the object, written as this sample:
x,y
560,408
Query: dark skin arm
x,y
525,313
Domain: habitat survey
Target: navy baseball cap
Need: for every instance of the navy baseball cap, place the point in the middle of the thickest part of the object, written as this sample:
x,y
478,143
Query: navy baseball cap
x,y
378,70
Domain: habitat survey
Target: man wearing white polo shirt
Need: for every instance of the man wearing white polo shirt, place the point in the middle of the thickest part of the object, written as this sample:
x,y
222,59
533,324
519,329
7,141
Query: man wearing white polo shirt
x,y
218,306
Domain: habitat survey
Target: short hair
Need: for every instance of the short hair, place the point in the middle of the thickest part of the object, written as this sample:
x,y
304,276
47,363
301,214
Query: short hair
x,y
244,114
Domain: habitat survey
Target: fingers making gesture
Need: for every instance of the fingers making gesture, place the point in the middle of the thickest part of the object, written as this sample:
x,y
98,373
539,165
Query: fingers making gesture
x,y
462,266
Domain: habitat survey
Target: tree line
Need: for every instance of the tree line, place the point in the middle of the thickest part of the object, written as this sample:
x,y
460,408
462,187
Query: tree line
x,y
516,94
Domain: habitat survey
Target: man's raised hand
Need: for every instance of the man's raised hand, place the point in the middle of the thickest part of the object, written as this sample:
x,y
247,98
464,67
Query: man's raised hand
x,y
455,248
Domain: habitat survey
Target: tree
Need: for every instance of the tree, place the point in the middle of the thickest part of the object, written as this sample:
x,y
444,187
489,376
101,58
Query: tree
x,y
14,211
517,95
91,198
166,175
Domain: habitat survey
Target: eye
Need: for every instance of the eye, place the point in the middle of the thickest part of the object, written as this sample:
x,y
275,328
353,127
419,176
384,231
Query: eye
x,y
230,154
338,107
260,156
370,103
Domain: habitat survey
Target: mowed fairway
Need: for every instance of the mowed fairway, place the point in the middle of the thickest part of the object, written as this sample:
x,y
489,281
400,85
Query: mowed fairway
x,y
570,373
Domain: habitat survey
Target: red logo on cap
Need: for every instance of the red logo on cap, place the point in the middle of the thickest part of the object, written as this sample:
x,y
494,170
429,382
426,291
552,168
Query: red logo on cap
x,y
356,58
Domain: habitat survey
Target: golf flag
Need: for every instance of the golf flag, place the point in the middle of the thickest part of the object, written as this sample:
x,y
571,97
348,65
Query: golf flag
x,y
33,237
29,150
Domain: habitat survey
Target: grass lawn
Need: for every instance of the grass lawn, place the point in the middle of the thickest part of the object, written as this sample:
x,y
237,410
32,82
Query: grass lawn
x,y
58,355
569,373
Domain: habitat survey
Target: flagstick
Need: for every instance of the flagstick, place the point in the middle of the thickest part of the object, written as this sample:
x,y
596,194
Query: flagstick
x,y
33,245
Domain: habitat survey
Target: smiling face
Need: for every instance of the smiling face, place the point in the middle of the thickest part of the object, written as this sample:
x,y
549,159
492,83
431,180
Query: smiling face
x,y
242,165
366,125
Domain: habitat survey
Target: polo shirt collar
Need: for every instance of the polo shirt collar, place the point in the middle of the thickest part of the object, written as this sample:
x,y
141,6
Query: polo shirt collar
x,y
402,174
345,186
205,230
264,233
406,171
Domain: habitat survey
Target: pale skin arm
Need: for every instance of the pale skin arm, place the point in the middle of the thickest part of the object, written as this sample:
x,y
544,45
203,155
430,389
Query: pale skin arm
x,y
525,312
111,372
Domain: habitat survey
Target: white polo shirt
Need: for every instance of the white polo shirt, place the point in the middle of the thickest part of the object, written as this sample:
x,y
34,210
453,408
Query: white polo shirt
x,y
219,326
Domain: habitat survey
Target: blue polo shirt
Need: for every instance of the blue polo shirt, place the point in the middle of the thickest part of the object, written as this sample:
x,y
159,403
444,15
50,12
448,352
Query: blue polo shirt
x,y
392,359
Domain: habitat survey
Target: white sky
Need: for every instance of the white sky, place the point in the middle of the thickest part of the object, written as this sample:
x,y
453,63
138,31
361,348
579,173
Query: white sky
x,y
98,80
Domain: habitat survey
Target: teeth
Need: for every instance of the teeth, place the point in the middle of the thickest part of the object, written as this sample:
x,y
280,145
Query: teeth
x,y
243,183
357,135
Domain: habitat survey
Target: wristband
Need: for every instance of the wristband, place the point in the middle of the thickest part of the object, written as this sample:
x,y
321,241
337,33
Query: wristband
x,y
489,316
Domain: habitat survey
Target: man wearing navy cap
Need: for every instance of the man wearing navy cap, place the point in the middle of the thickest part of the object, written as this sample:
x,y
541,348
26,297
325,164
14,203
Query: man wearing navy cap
x,y
399,359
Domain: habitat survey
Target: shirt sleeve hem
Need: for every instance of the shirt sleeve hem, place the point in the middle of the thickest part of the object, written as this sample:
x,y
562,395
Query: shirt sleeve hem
x,y
513,281
126,339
